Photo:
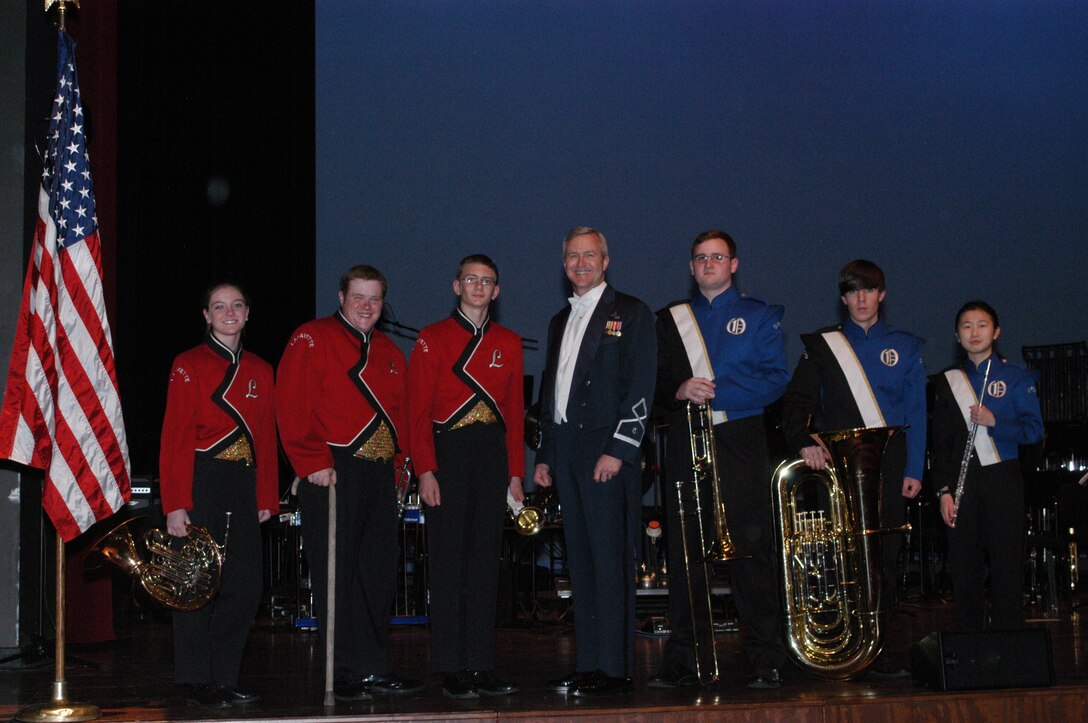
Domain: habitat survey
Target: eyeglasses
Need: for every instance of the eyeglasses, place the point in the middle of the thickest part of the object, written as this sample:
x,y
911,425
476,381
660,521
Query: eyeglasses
x,y
716,258
485,282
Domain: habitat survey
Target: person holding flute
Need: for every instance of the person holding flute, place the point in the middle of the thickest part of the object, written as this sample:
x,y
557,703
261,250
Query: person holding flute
x,y
983,409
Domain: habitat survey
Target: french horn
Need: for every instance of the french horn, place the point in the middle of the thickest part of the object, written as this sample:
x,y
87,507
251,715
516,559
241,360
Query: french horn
x,y
183,578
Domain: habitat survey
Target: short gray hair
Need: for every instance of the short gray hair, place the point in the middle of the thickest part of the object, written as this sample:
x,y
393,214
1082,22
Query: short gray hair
x,y
583,231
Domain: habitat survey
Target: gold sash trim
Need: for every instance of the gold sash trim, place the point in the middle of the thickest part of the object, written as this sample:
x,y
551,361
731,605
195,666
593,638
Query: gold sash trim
x,y
240,451
481,414
380,447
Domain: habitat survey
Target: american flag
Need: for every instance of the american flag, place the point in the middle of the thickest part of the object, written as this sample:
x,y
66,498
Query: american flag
x,y
62,410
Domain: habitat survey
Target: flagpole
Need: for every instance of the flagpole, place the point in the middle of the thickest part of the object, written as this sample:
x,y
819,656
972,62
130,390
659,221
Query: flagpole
x,y
62,10
59,708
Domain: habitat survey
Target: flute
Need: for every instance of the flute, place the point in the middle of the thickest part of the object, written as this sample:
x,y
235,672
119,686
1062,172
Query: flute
x,y
966,461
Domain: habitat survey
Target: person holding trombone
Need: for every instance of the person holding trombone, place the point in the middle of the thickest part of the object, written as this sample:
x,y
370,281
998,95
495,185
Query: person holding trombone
x,y
720,355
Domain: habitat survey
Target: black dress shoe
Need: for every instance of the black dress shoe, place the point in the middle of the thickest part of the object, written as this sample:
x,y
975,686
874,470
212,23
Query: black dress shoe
x,y
765,677
486,683
182,692
240,697
459,686
391,684
568,681
674,676
887,668
351,690
206,695
600,685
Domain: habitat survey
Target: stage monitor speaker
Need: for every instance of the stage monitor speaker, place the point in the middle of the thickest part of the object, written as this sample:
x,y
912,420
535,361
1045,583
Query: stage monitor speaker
x,y
972,661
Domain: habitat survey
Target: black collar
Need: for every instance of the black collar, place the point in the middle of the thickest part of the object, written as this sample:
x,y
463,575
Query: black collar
x,y
467,324
222,349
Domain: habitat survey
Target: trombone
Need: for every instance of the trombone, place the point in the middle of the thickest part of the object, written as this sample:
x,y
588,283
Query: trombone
x,y
704,471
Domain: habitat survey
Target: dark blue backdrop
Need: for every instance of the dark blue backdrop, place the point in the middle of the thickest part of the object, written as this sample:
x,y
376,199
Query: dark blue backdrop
x,y
948,142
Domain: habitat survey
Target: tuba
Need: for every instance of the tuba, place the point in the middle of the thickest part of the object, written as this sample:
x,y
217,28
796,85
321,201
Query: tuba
x,y
183,578
831,557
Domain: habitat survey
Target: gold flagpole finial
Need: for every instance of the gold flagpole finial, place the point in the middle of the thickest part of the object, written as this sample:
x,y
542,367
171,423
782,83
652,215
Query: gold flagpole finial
x,y
62,10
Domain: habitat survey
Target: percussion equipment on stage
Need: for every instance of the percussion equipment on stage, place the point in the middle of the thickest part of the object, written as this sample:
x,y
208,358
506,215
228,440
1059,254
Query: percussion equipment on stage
x,y
532,425
1063,379
831,557
650,572
407,488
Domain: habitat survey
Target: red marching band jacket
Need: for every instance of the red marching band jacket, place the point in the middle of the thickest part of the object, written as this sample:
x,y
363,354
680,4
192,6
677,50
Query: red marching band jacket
x,y
336,387
456,366
213,395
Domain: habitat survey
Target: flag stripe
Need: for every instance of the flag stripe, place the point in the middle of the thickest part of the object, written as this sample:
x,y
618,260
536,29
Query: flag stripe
x,y
62,406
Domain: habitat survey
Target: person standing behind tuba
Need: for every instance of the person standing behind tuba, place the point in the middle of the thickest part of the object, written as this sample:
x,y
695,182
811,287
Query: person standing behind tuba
x,y
724,350
998,400
863,373
218,456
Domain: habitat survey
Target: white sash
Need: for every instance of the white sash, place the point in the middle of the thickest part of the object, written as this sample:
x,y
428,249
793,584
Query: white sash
x,y
965,397
695,348
871,416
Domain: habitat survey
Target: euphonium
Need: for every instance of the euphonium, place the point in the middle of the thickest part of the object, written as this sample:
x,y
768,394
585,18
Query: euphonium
x,y
831,557
183,578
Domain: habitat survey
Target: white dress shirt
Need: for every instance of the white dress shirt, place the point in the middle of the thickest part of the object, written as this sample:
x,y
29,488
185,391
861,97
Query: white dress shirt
x,y
580,312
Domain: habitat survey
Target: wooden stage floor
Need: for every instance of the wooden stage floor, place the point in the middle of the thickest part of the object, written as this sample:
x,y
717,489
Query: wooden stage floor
x,y
130,679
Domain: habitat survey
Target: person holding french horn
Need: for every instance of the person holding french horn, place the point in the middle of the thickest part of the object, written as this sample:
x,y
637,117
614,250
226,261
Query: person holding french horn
x,y
218,468
465,416
983,409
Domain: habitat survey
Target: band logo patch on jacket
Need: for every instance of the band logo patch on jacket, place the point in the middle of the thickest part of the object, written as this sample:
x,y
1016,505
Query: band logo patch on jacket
x,y
302,337
890,357
736,326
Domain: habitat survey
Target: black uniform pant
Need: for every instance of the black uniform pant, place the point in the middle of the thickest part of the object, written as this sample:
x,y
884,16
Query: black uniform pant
x,y
601,527
366,561
209,642
893,514
464,537
746,493
989,527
